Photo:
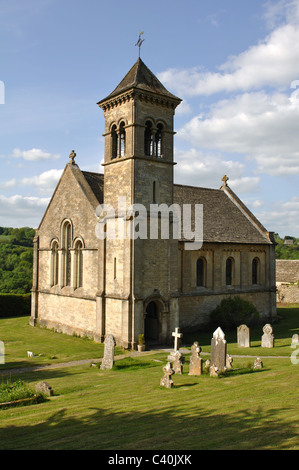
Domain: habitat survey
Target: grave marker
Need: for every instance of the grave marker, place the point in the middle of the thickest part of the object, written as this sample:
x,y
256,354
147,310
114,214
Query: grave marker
x,y
243,334
108,359
195,367
268,337
218,350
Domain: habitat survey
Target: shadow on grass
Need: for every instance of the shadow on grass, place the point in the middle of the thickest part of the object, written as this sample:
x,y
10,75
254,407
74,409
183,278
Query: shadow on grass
x,y
167,428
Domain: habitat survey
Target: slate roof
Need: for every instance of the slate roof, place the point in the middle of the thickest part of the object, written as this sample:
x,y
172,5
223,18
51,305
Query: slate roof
x,y
140,77
225,218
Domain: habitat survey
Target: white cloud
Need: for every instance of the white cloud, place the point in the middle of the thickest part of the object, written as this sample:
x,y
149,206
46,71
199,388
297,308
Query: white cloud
x,y
282,217
9,184
19,211
261,126
246,184
201,169
45,182
34,155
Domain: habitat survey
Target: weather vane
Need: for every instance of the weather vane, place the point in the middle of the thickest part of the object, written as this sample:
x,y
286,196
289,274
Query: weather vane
x,y
140,41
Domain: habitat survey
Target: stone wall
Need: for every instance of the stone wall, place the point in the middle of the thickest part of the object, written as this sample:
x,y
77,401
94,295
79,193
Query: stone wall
x,y
287,276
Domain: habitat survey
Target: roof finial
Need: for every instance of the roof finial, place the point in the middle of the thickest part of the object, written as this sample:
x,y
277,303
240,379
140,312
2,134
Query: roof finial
x,y
140,41
72,157
225,180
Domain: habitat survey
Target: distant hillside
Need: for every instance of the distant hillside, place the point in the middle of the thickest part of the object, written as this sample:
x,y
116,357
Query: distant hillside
x,y
16,254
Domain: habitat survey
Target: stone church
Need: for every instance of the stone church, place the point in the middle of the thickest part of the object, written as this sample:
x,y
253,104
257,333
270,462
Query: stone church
x,y
89,285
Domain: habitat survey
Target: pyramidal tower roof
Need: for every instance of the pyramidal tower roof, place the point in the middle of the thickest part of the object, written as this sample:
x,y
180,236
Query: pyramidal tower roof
x,y
141,78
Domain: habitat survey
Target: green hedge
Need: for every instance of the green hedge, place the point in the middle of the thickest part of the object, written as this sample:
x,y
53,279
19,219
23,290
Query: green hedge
x,y
234,311
14,305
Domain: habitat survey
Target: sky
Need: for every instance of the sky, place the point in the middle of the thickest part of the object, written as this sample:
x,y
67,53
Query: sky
x,y
234,64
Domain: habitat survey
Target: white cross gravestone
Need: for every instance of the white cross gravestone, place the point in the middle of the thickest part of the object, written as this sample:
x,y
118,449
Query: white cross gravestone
x,y
2,353
173,357
177,335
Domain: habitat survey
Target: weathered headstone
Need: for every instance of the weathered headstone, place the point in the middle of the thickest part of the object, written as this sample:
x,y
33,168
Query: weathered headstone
x,y
214,371
108,359
243,334
45,388
258,364
218,349
166,381
207,365
268,337
177,363
195,367
295,339
2,353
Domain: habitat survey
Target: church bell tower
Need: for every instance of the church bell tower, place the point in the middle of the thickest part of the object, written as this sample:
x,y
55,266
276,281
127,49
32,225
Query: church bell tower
x,y
138,167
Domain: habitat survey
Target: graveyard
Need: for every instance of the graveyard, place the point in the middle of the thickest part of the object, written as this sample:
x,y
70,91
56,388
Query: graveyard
x,y
157,399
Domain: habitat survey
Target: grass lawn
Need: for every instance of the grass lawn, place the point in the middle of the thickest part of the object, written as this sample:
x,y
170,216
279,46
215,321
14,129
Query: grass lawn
x,y
125,408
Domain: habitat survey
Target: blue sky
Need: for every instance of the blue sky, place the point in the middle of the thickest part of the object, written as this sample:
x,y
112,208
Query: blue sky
x,y
235,65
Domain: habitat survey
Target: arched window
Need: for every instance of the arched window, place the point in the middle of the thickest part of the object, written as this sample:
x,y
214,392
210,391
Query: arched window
x,y
229,272
122,136
66,254
148,139
255,271
114,143
201,272
78,281
158,141
54,264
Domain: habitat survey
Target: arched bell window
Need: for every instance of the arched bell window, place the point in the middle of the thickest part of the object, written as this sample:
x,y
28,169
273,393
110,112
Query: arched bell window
x,y
148,139
122,137
158,141
114,142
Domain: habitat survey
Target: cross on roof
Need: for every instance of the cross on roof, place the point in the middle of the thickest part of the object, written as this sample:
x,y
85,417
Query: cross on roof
x,y
225,179
177,335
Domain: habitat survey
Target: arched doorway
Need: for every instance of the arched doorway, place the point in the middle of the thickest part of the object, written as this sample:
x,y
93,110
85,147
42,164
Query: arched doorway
x,y
151,323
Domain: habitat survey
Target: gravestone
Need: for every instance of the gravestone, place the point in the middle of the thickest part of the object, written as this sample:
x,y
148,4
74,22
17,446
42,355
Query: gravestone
x,y
243,334
2,353
177,363
173,357
195,367
108,359
229,362
258,364
214,371
177,336
45,388
218,350
267,338
295,339
166,381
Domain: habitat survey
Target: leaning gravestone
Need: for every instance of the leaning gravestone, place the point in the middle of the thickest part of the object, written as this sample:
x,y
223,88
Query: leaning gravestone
x,y
108,359
243,334
267,338
218,349
195,367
